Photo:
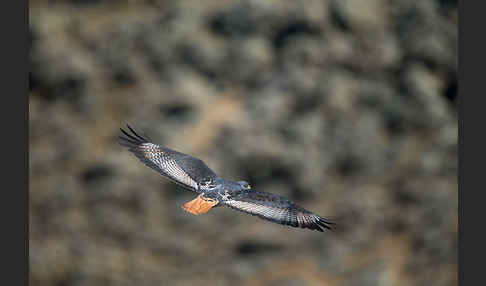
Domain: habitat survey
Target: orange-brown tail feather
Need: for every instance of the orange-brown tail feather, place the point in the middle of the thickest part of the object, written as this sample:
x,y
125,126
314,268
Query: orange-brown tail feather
x,y
199,205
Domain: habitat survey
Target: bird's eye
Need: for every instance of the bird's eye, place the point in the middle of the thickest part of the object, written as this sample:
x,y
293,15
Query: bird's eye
x,y
244,185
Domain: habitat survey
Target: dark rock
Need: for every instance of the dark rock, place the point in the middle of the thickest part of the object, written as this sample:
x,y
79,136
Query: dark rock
x,y
245,248
97,173
240,20
293,29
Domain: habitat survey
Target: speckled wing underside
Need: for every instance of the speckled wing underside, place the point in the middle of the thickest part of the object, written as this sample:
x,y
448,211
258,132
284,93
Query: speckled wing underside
x,y
276,209
182,169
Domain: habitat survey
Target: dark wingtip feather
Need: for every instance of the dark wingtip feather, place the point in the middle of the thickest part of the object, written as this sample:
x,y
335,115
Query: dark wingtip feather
x,y
138,136
314,226
127,142
324,223
131,140
129,135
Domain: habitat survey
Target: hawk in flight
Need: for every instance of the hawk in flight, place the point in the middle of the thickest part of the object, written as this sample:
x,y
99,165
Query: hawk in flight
x,y
193,174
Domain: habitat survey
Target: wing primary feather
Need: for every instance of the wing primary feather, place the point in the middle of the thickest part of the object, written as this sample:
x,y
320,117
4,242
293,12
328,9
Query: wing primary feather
x,y
131,137
324,223
135,133
316,227
310,226
128,140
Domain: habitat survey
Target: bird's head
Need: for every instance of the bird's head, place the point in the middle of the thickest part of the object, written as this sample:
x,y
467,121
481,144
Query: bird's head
x,y
244,185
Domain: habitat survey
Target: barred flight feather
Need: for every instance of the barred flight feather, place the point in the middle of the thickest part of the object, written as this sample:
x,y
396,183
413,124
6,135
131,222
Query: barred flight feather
x,y
277,209
180,168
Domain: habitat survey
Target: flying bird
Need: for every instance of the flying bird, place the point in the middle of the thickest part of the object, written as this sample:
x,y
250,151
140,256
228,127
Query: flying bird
x,y
193,174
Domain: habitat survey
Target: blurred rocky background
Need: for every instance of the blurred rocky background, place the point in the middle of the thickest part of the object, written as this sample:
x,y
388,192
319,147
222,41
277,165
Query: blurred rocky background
x,y
348,107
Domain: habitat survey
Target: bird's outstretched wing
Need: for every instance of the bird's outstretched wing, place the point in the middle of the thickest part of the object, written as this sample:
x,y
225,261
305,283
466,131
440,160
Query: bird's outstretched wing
x,y
276,209
182,169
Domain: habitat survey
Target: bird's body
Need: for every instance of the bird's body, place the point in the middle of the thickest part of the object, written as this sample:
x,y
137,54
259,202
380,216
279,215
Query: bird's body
x,y
193,174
